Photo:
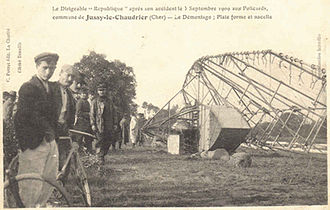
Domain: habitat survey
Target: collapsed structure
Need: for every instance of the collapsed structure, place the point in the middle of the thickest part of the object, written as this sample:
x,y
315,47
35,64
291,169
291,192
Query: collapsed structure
x,y
262,98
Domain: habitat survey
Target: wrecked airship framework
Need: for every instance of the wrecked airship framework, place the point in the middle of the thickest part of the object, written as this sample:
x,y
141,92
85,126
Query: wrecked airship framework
x,y
270,100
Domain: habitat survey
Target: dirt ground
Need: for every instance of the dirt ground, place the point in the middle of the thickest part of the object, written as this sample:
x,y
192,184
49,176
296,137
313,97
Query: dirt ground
x,y
150,177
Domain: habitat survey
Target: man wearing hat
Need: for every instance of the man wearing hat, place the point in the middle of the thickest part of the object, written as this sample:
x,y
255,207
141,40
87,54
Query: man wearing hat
x,y
5,96
35,125
65,112
104,122
83,121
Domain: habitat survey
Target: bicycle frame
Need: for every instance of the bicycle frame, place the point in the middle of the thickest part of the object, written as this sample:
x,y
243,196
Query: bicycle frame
x,y
72,150
74,155
12,178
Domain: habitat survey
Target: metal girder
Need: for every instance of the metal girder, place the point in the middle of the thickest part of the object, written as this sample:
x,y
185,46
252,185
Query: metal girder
x,y
255,98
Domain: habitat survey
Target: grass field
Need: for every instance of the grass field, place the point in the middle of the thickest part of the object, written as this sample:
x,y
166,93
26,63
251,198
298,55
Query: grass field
x,y
149,177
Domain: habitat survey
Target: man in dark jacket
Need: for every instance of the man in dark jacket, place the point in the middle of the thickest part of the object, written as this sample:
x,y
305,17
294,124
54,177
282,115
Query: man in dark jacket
x,y
104,121
65,112
35,126
83,120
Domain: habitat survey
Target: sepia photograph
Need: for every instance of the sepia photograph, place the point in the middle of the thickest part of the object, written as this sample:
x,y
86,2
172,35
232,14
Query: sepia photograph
x,y
144,104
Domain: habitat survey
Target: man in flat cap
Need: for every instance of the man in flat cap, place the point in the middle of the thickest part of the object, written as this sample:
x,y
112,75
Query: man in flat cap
x,y
65,110
104,122
35,125
5,96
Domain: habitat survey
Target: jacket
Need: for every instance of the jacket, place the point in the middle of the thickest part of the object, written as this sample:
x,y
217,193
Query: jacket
x,y
82,115
35,117
69,116
103,115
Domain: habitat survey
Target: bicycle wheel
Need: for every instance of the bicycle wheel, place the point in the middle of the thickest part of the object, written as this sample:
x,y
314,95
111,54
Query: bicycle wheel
x,y
81,179
33,176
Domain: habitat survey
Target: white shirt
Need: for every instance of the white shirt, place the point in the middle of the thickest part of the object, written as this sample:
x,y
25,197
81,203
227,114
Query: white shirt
x,y
64,95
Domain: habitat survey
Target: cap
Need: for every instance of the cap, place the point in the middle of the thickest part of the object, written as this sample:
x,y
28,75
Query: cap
x,y
5,94
46,56
79,77
12,93
102,86
68,68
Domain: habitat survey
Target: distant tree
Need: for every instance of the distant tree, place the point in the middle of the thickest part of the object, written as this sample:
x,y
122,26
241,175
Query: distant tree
x,y
119,78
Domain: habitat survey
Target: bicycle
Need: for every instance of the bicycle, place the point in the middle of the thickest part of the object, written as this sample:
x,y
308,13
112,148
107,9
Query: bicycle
x,y
76,170
11,191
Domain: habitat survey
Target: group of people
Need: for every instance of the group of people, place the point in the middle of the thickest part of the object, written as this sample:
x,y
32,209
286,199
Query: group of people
x,y
46,110
9,142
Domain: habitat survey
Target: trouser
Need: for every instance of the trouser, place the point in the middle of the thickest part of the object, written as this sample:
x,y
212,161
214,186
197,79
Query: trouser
x,y
139,139
124,137
85,141
104,141
42,160
64,147
133,136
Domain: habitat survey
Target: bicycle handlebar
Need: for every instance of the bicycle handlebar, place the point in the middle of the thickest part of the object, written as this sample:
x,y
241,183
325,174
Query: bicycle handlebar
x,y
73,131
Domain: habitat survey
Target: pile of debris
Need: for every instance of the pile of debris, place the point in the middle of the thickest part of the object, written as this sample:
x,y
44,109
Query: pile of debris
x,y
239,159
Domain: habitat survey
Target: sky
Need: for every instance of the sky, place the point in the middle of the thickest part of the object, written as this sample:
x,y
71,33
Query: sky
x,y
160,52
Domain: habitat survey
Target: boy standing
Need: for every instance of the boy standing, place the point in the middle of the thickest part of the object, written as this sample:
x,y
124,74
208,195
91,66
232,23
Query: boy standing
x,y
103,118
83,121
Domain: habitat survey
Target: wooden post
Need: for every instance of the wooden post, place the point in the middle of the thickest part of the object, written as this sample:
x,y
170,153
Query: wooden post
x,y
169,117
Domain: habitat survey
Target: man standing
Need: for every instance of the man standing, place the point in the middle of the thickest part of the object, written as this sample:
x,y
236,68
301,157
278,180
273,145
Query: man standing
x,y
124,128
65,102
65,110
91,97
103,118
8,106
133,126
83,120
35,125
140,121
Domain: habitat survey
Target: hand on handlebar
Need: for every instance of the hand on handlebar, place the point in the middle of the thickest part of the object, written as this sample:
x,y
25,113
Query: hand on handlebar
x,y
75,146
94,129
